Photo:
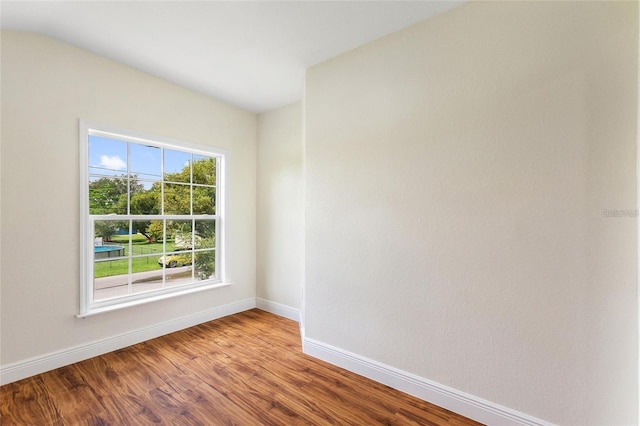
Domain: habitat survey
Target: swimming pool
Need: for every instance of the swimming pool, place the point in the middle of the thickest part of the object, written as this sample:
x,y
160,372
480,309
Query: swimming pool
x,y
105,252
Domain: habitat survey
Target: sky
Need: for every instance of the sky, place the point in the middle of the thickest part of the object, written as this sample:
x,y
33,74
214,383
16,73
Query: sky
x,y
109,157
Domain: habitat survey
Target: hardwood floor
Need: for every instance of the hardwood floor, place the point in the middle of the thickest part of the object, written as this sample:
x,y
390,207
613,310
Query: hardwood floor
x,y
245,369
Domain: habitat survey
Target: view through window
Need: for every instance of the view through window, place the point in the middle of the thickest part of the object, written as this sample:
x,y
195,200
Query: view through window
x,y
152,216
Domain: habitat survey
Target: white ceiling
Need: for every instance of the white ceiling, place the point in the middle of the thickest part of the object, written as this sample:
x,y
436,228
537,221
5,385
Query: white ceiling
x,y
252,54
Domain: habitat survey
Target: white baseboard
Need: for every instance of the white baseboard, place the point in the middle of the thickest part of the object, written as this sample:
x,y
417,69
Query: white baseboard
x,y
30,367
443,396
278,309
436,393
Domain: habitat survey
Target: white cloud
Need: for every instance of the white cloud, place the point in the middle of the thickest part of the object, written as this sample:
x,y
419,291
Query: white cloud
x,y
114,163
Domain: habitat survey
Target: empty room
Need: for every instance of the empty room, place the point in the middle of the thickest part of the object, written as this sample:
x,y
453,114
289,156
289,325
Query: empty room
x,y
319,212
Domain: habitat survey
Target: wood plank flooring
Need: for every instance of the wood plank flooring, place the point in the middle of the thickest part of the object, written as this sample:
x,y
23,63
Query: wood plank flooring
x,y
244,369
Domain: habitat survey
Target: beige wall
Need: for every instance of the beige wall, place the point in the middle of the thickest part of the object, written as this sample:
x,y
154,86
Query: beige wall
x,y
456,175
46,87
280,214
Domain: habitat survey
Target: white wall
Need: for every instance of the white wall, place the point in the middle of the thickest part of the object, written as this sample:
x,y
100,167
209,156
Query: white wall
x,y
280,214
46,87
456,173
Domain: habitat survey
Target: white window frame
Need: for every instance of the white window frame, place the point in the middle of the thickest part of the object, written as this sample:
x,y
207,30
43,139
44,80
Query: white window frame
x,y
89,306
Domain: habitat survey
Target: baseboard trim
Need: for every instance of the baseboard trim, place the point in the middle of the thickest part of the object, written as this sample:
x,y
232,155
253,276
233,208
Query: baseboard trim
x,y
30,367
278,309
457,401
454,400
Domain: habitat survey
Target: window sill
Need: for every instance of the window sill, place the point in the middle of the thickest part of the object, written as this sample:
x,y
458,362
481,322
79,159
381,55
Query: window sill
x,y
130,303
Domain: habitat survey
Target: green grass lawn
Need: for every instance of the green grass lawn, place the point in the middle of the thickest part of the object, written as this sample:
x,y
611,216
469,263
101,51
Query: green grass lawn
x,y
139,246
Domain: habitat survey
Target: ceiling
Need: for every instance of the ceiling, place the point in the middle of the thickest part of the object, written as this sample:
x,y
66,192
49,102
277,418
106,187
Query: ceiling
x,y
252,54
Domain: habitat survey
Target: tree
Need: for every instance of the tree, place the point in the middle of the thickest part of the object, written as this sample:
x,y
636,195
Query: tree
x,y
177,199
204,173
106,194
105,229
189,191
146,202
204,197
205,264
155,230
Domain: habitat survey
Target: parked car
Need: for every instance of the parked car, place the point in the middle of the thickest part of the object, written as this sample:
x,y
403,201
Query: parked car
x,y
175,259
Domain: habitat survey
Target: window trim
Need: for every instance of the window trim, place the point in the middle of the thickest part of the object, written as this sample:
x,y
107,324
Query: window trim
x,y
88,306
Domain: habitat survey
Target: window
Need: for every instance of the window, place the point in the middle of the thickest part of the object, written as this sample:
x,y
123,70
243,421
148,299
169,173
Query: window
x,y
152,218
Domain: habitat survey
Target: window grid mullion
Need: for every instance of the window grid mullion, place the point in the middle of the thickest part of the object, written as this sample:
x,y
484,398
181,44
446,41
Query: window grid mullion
x,y
141,217
191,184
128,178
164,251
162,182
130,261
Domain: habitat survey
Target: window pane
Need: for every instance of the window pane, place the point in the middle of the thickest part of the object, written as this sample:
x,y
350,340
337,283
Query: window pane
x,y
145,161
107,156
111,278
181,274
111,265
205,234
180,231
147,274
145,235
179,258
107,195
149,236
177,166
204,200
177,198
109,234
205,264
145,201
105,256
204,170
